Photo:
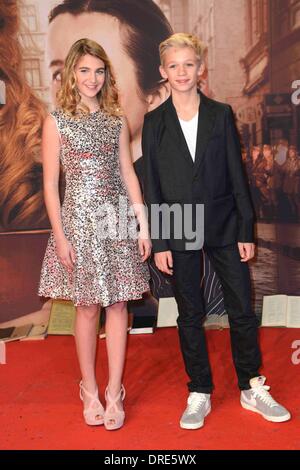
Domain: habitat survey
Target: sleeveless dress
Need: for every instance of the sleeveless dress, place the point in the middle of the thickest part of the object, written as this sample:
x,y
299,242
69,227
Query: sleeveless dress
x,y
107,269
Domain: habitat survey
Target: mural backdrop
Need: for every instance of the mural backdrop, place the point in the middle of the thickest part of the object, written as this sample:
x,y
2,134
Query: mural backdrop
x,y
253,63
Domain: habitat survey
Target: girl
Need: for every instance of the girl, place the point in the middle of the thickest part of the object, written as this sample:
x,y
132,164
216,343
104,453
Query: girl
x,y
82,263
130,32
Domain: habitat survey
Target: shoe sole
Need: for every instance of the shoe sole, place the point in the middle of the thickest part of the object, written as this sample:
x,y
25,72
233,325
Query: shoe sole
x,y
113,427
273,419
98,422
195,425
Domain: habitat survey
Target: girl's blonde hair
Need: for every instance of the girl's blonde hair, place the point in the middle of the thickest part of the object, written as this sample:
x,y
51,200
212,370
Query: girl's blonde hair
x,y
183,40
68,97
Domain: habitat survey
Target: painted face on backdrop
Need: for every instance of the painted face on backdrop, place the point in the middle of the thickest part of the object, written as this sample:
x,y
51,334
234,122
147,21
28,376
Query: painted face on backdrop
x,y
292,152
255,153
267,152
106,30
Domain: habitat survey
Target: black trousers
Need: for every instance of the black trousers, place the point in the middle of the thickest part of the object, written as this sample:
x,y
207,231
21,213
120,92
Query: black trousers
x,y
235,279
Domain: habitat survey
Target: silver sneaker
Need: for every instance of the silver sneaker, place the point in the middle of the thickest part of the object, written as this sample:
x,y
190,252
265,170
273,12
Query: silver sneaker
x,y
198,408
259,400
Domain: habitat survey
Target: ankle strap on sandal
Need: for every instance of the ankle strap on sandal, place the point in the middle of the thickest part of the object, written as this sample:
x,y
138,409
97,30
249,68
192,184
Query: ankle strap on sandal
x,y
121,395
92,396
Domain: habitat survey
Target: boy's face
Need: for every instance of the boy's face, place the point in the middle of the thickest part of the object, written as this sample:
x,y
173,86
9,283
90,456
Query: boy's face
x,y
182,68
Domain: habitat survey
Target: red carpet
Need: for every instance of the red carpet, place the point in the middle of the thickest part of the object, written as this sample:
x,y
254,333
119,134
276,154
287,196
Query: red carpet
x,y
40,408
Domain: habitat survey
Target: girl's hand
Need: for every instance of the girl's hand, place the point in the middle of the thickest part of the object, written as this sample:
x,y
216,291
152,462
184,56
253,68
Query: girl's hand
x,y
145,247
65,253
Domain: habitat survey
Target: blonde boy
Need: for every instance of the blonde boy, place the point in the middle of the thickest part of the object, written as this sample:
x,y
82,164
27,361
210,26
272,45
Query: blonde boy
x,y
192,159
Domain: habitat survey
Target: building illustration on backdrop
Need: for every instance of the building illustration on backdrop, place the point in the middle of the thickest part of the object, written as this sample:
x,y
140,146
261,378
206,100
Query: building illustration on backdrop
x,y
32,36
262,41
253,58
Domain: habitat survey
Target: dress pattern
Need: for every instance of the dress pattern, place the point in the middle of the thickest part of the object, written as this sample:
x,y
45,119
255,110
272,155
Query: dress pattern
x,y
107,270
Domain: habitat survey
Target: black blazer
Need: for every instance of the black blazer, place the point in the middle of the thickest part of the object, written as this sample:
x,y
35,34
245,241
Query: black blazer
x,y
216,178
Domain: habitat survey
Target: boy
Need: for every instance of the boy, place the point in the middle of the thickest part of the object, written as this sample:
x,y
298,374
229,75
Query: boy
x,y
192,157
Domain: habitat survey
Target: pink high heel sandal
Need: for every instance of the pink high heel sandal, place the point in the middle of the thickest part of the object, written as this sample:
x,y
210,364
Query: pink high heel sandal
x,y
113,417
94,413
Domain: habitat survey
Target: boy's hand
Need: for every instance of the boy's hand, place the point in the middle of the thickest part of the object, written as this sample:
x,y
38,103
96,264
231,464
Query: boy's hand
x,y
164,262
247,251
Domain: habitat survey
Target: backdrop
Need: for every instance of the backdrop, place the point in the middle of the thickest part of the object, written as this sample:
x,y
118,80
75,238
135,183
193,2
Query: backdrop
x,y
253,63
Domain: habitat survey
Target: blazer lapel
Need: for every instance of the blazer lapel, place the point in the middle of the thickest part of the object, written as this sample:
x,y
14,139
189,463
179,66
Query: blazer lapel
x,y
174,128
206,121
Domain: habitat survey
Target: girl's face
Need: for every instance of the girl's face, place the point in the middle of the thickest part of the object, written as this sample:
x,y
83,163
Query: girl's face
x,y
90,76
65,29
182,68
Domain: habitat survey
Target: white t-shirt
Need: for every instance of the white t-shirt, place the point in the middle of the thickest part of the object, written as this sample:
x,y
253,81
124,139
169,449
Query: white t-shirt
x,y
189,129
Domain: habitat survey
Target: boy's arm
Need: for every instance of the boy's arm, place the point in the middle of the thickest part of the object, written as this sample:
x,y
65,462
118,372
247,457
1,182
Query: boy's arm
x,y
238,179
152,184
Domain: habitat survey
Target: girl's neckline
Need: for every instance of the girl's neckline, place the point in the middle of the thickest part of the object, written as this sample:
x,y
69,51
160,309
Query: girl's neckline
x,y
83,115
93,112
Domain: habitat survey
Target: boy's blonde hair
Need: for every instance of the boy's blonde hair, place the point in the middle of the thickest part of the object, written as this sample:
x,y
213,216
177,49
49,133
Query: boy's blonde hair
x,y
183,40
